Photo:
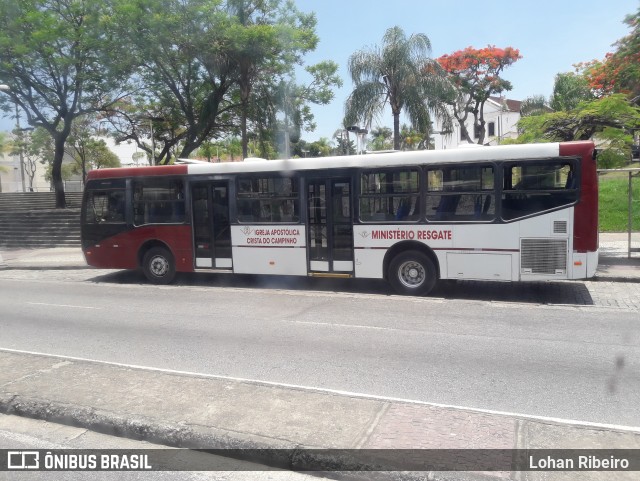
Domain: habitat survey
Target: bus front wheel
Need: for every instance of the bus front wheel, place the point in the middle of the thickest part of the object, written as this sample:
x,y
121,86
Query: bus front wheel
x,y
158,265
412,273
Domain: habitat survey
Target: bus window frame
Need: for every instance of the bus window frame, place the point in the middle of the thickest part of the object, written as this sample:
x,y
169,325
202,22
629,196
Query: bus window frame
x,y
296,180
495,191
186,214
576,165
357,193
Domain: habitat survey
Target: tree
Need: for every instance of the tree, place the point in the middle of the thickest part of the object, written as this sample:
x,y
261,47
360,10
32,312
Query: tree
x,y
184,75
266,39
207,69
476,75
90,153
414,140
381,139
400,74
293,99
619,72
60,62
345,146
569,89
320,148
534,105
609,121
22,146
208,150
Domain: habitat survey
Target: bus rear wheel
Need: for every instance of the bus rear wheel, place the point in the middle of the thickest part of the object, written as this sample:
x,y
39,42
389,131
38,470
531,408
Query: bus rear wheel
x,y
412,273
158,266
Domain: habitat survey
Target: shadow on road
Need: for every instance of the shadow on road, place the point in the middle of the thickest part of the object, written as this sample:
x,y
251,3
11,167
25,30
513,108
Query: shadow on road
x,y
563,292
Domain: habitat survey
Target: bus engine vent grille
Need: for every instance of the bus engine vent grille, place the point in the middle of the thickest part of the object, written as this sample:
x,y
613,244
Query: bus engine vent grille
x,y
560,227
543,256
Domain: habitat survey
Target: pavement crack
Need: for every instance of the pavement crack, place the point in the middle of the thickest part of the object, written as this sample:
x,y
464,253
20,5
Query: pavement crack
x,y
38,372
374,424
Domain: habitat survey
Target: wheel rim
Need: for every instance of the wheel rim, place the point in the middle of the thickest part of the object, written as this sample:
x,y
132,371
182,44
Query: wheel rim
x,y
159,266
412,274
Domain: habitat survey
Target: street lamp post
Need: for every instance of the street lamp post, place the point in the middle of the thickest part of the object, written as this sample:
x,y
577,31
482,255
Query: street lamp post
x,y
360,133
151,119
6,88
354,129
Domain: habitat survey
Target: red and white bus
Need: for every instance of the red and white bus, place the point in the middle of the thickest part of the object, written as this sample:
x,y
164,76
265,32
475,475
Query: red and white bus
x,y
505,213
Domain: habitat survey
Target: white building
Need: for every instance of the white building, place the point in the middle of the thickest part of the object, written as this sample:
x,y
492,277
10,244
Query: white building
x,y
10,174
501,116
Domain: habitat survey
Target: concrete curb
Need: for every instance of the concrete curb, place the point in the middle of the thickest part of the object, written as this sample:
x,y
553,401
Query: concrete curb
x,y
195,437
633,280
42,268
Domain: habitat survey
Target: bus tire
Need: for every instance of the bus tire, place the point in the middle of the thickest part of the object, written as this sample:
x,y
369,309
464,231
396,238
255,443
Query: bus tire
x,y
412,273
158,266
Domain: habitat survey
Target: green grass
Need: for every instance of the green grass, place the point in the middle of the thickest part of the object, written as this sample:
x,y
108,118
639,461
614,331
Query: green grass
x,y
613,202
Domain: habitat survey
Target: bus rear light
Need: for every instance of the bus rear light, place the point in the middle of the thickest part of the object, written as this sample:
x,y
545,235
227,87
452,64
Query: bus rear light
x,y
577,263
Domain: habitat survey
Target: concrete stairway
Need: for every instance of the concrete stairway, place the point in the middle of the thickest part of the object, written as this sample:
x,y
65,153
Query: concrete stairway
x,y
29,220
29,201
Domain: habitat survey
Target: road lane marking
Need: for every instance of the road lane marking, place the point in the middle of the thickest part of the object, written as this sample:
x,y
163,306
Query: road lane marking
x,y
357,326
62,305
574,422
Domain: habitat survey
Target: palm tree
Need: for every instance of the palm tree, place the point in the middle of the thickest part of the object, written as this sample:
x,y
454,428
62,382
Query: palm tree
x,y
402,74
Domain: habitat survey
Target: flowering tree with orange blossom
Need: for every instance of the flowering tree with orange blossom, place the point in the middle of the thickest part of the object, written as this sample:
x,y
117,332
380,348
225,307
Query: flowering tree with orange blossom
x,y
619,72
476,76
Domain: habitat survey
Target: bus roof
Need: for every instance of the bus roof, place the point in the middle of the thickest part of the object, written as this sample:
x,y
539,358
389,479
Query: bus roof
x,y
418,157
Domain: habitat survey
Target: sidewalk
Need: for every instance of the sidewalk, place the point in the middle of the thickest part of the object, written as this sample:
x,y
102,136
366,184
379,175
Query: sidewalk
x,y
194,411
48,258
614,263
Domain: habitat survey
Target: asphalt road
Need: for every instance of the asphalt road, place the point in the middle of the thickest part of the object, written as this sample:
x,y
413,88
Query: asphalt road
x,y
580,363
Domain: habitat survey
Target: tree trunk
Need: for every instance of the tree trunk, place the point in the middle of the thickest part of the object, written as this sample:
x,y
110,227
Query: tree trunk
x,y
245,93
479,122
396,130
243,129
464,132
462,119
56,171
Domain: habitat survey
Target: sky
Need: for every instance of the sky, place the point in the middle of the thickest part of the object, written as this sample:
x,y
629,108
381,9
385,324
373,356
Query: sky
x,y
551,35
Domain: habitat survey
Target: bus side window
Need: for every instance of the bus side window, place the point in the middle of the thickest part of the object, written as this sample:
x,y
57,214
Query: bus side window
x,y
446,210
116,206
403,209
106,206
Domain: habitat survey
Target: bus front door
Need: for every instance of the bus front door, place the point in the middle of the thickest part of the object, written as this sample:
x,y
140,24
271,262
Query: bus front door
x,y
211,228
330,232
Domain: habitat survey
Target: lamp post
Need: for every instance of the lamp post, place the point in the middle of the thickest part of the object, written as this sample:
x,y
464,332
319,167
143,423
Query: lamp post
x,y
360,133
6,88
151,119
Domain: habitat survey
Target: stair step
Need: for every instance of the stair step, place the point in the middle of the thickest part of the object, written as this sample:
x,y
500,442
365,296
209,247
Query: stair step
x,y
30,219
